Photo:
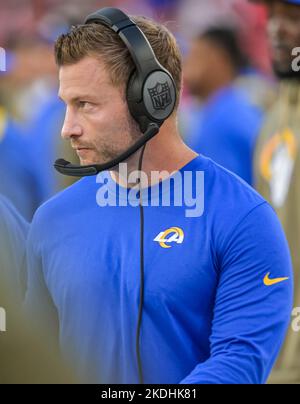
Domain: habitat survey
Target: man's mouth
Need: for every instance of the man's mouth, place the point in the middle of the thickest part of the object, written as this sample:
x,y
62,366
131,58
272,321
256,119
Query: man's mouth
x,y
82,151
80,147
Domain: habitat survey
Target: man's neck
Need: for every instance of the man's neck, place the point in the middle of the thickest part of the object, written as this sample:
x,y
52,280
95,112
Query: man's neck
x,y
166,153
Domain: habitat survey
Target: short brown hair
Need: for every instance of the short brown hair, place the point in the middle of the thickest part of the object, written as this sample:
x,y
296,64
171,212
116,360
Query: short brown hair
x,y
97,40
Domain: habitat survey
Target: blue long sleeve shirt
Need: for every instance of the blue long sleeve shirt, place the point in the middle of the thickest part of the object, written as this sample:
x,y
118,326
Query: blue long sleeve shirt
x,y
214,308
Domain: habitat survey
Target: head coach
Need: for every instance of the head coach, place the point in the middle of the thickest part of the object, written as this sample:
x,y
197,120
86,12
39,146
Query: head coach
x,y
142,291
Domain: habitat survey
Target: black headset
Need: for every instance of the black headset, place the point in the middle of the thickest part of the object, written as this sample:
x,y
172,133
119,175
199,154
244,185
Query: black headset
x,y
151,92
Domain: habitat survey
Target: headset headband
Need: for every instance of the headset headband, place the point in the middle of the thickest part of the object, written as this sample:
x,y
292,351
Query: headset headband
x,y
132,36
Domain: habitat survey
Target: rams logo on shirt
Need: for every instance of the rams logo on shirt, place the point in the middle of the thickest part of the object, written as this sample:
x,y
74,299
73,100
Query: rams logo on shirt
x,y
172,235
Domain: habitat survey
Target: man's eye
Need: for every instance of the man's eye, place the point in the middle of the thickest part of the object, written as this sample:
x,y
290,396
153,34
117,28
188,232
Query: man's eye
x,y
83,104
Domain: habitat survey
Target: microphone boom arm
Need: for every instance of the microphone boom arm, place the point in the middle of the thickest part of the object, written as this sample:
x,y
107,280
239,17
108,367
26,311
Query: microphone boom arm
x,y
66,168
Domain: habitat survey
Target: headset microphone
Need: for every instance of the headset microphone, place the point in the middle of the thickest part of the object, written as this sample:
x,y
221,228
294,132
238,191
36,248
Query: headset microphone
x,y
67,168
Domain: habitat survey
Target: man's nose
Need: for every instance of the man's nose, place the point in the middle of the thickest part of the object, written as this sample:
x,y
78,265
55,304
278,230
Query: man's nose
x,y
70,127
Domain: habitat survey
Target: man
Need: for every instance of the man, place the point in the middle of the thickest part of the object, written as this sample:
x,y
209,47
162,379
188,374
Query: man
x,y
226,126
277,157
218,285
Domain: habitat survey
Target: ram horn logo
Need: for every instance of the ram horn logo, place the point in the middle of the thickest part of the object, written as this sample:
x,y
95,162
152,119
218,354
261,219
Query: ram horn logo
x,y
177,236
160,96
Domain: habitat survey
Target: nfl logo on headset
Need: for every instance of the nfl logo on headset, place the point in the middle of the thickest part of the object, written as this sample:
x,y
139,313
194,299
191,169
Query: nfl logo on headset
x,y
160,96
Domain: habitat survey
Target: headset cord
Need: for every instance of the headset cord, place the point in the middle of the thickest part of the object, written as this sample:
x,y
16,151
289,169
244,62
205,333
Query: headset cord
x,y
138,331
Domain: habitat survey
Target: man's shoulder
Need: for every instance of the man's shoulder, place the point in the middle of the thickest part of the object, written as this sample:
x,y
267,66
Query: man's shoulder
x,y
226,191
234,210
223,176
73,199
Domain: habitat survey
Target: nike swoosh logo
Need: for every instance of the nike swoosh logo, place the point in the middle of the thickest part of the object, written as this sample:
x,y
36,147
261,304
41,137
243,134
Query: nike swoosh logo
x,y
271,282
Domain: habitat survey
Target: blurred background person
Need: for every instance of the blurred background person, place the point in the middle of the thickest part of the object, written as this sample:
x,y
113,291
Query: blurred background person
x,y
13,235
22,98
226,124
29,93
277,158
16,179
25,356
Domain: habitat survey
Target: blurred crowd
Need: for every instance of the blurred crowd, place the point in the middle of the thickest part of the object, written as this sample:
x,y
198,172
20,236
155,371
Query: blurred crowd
x,y
229,91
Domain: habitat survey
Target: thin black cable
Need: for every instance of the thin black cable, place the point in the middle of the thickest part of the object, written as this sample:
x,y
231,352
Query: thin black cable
x,y
138,330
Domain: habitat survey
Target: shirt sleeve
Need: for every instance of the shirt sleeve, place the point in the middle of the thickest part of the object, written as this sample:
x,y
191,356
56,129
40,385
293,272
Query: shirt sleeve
x,y
253,303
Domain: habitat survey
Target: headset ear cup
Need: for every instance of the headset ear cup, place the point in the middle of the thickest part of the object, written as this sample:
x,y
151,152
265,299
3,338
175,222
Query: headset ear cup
x,y
131,96
130,85
151,100
135,103
159,95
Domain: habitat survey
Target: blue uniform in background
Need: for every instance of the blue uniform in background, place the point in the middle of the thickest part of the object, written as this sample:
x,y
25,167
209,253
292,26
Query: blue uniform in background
x,y
27,155
226,129
13,233
17,176
45,147
208,316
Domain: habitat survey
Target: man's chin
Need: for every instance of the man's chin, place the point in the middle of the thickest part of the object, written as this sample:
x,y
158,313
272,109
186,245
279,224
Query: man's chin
x,y
85,162
90,162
